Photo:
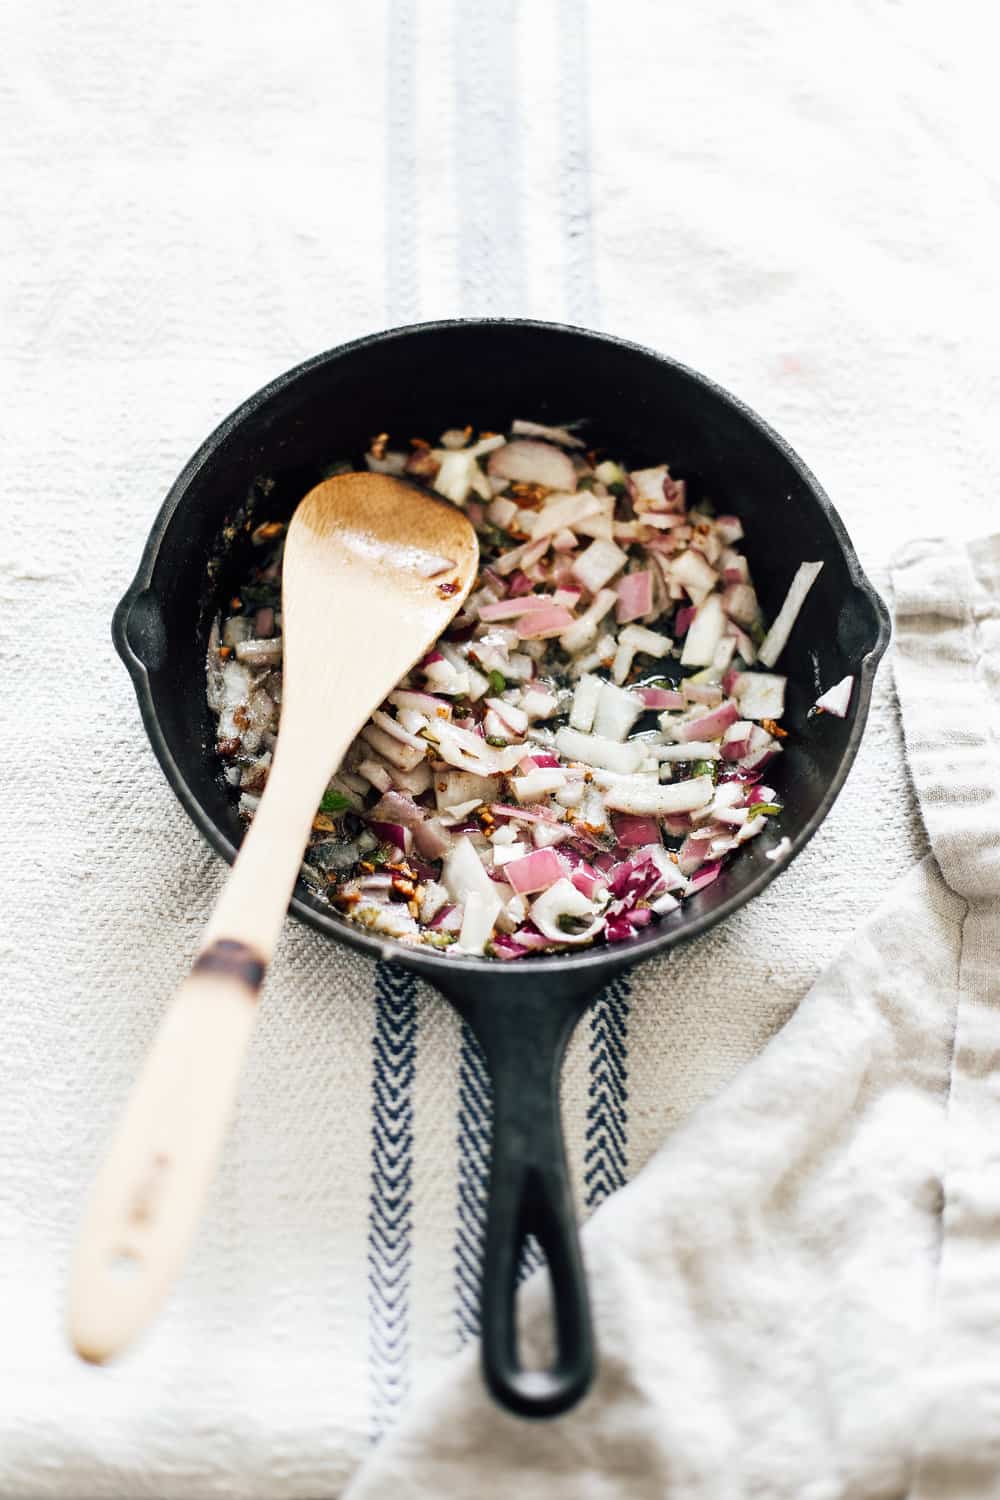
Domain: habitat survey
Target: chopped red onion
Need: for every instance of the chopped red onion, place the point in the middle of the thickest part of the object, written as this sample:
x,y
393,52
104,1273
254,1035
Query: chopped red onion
x,y
635,596
535,872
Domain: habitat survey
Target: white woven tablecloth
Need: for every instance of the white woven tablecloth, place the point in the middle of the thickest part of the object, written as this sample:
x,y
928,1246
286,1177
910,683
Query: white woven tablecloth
x,y
800,200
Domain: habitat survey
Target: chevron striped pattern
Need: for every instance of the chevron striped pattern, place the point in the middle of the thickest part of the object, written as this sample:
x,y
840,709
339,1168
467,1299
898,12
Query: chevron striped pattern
x,y
390,1201
475,1116
606,1155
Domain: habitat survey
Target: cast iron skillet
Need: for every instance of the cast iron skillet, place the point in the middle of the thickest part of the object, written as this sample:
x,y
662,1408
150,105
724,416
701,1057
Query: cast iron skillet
x,y
645,408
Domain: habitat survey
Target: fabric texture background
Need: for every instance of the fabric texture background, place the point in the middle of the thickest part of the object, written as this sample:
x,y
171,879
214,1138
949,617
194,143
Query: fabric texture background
x,y
802,202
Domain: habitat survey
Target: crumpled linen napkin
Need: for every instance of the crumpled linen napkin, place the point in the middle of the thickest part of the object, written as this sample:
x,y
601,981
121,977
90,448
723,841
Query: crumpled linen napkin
x,y
800,1295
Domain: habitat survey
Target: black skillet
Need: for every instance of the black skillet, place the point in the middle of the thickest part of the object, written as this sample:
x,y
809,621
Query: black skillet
x,y
645,408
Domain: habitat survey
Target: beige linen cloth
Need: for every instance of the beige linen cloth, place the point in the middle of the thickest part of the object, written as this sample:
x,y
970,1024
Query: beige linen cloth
x,y
800,1295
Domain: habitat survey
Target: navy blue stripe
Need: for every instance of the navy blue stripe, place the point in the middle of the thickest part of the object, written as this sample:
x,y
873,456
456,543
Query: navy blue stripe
x,y
390,1254
576,177
402,292
475,1120
491,266
605,1165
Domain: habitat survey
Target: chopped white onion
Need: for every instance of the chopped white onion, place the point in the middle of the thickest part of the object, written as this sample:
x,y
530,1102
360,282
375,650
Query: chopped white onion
x,y
836,700
760,695
774,642
704,633
617,711
594,751
640,795
560,902
598,564
585,700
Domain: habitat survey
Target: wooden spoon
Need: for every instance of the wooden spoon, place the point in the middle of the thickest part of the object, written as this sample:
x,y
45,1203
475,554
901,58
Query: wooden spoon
x,y
373,572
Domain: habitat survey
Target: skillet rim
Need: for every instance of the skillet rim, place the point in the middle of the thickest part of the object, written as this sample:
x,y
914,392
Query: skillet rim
x,y
590,966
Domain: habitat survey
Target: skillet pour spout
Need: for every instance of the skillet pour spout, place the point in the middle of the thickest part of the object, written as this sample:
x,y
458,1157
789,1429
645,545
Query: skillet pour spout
x,y
636,404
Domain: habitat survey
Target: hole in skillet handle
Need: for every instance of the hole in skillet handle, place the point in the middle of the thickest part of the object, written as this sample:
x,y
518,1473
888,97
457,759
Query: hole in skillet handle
x,y
523,1031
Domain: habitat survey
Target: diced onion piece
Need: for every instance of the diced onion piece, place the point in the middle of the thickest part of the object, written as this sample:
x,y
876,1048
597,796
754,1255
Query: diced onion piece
x,y
633,831
710,726
544,624
510,609
452,788
736,740
563,512
501,512
394,728
432,899
648,642
478,921
595,751
585,700
503,853
670,876
635,596
836,700
632,640
761,695
708,693
583,630
424,703
599,563
560,435
657,698
374,772
704,633
724,653
463,873
237,628
692,750
560,901
695,575
608,472
393,750
521,557
537,703
535,872
459,473
259,653
643,795
617,711
391,462
622,664
774,642
515,718
601,523
444,678
536,784
647,487
739,601
527,461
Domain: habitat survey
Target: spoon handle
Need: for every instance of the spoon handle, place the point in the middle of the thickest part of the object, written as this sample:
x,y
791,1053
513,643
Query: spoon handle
x,y
148,1194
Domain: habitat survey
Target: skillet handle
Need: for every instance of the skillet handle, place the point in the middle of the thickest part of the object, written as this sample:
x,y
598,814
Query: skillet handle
x,y
524,1035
